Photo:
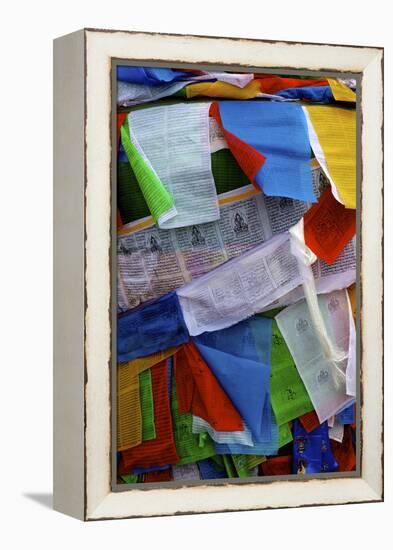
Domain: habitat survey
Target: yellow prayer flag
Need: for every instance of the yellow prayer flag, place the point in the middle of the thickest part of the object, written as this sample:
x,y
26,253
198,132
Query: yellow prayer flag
x,y
129,416
340,91
223,89
336,131
136,366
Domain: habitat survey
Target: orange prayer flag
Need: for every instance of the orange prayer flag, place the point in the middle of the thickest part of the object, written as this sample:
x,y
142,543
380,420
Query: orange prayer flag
x,y
328,226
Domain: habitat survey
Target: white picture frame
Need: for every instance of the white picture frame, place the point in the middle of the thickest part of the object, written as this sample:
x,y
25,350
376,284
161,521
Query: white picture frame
x,y
84,334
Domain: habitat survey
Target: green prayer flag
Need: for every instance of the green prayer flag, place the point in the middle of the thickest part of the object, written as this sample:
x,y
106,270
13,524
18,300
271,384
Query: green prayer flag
x,y
241,465
284,435
147,405
227,173
157,197
132,204
130,478
270,313
244,464
289,396
229,466
219,462
130,199
190,447
180,93
254,460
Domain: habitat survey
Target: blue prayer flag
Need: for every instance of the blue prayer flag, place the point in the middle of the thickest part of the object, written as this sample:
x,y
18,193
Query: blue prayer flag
x,y
347,415
239,357
151,327
245,382
311,450
209,470
315,94
250,339
279,132
266,446
152,76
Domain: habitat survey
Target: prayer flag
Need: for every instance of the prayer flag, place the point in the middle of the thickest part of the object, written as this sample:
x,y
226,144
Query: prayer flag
x,y
323,378
150,328
278,131
328,227
147,405
190,447
246,382
334,145
161,450
204,395
277,466
288,393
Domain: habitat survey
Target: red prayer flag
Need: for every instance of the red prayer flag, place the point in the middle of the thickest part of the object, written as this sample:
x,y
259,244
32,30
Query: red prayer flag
x,y
270,84
119,221
276,466
185,385
309,421
157,476
344,452
120,119
328,226
161,450
199,392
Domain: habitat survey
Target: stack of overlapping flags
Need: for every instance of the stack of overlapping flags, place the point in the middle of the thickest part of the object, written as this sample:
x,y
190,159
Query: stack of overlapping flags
x,y
236,335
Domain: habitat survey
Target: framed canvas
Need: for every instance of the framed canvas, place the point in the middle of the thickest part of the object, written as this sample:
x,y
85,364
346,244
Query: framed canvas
x,y
86,481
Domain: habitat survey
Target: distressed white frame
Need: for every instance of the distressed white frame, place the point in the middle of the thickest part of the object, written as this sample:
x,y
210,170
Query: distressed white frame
x,y
99,502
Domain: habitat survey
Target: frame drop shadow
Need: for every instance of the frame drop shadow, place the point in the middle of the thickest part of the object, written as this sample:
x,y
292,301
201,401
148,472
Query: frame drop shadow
x,y
44,499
